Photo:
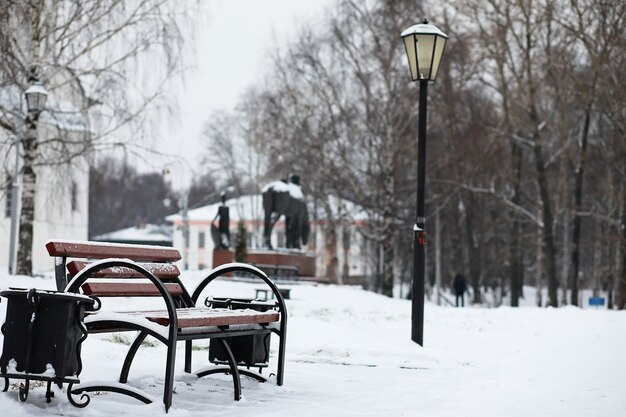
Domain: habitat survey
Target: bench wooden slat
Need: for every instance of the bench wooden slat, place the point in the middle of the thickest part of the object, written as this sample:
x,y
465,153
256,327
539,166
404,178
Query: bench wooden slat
x,y
162,271
128,289
96,250
200,317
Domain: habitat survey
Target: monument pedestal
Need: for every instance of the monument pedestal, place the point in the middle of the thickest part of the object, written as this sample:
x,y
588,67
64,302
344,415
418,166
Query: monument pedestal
x,y
298,263
223,256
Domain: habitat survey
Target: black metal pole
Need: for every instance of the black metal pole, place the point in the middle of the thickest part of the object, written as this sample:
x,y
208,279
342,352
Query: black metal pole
x,y
419,232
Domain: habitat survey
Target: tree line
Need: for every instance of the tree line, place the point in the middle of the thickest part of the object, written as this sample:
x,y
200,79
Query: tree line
x,y
120,196
526,159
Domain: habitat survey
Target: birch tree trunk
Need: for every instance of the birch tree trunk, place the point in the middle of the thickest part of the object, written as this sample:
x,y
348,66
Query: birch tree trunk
x,y
27,215
387,279
29,145
473,249
332,262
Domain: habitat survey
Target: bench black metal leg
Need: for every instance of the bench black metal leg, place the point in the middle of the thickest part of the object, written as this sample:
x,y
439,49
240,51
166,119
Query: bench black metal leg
x,y
281,356
233,369
131,355
23,391
214,370
188,351
6,385
49,393
169,372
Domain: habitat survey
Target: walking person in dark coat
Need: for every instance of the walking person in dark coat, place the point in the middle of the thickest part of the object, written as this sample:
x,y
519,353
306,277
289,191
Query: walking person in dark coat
x,y
460,286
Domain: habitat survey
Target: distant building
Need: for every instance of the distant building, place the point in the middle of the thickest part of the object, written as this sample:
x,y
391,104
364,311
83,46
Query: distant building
x,y
62,191
140,234
352,257
199,254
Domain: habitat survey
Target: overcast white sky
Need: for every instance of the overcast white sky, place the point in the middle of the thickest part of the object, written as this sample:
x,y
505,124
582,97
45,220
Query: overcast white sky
x,y
232,48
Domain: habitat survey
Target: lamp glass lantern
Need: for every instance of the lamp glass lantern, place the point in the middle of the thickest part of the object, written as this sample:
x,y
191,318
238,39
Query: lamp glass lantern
x,y
36,96
424,44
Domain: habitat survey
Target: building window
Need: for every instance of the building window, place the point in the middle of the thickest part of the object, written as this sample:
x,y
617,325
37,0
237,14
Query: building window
x,y
201,238
346,235
9,194
74,196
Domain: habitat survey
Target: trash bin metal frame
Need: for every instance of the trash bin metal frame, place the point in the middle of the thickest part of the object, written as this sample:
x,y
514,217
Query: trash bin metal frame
x,y
253,351
43,329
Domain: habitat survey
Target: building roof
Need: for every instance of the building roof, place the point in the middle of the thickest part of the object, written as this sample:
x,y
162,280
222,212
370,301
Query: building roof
x,y
246,207
142,233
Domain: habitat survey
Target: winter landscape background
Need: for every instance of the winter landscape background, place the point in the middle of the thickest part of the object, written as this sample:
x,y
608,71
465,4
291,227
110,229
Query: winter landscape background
x,y
525,189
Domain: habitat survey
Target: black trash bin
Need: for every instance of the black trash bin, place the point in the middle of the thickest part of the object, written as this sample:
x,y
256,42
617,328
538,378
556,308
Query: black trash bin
x,y
43,331
251,350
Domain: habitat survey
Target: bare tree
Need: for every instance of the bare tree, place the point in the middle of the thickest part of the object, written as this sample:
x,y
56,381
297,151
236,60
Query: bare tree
x,y
519,37
595,28
132,198
338,108
94,55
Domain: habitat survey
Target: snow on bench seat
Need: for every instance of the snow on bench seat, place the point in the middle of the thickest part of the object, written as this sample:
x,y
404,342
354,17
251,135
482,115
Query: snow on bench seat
x,y
203,317
160,270
129,289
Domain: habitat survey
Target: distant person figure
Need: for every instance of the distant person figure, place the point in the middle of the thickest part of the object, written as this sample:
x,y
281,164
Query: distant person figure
x,y
460,286
221,232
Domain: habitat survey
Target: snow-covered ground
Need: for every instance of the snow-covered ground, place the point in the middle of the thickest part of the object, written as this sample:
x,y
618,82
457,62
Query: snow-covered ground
x,y
349,354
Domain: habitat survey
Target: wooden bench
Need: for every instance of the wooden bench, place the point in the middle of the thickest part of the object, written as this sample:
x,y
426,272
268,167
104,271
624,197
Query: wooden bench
x,y
102,270
278,271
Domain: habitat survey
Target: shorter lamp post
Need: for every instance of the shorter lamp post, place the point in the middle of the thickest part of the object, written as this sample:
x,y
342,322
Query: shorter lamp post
x,y
36,96
183,204
424,45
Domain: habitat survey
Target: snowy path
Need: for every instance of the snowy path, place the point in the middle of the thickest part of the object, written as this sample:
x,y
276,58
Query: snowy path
x,y
349,355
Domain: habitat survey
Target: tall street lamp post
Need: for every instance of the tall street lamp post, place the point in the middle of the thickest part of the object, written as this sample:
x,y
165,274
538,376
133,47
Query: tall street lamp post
x,y
36,96
424,45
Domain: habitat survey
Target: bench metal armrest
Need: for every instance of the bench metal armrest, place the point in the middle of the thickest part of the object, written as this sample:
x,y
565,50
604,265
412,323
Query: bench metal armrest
x,y
282,308
241,267
79,279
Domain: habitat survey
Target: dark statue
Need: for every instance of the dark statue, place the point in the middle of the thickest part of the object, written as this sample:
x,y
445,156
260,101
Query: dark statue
x,y
220,233
282,198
